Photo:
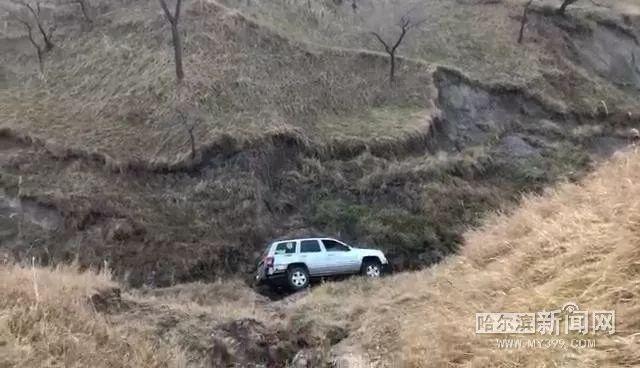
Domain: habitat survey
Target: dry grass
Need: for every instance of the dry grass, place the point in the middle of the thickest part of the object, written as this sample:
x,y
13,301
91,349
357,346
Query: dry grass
x,y
576,243
47,319
243,81
478,37
377,124
52,317
248,73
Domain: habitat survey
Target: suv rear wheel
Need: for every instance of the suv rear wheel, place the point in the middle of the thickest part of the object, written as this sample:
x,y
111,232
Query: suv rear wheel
x,y
298,277
371,268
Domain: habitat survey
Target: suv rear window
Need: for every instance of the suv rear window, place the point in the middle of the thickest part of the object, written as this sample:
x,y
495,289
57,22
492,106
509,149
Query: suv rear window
x,y
309,246
285,248
334,246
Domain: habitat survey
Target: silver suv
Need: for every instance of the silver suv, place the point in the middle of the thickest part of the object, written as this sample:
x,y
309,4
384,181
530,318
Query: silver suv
x,y
294,262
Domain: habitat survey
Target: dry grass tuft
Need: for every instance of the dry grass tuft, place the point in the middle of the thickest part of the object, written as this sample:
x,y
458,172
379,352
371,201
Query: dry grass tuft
x,y
47,319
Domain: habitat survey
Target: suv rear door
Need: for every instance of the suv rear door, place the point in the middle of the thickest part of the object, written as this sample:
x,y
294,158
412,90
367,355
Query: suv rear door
x,y
284,253
313,255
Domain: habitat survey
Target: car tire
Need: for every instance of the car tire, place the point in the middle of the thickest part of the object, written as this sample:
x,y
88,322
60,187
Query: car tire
x,y
298,278
371,269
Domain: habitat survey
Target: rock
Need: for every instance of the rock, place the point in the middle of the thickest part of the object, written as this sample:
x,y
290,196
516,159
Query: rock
x,y
246,341
106,300
346,355
515,146
120,229
307,358
548,126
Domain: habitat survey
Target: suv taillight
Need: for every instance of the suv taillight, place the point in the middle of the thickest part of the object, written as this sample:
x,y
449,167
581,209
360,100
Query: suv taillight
x,y
268,262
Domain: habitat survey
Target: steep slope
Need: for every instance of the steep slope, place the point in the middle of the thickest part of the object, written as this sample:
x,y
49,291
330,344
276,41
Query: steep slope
x,y
576,243
290,138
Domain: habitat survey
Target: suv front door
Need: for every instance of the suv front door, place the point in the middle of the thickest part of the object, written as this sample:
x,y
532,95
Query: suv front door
x,y
340,258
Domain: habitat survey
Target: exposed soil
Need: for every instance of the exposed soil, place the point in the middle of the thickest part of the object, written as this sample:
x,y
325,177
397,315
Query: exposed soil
x,y
519,135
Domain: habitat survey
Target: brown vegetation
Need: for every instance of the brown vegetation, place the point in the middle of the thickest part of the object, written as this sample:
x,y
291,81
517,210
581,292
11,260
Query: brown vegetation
x,y
575,243
274,134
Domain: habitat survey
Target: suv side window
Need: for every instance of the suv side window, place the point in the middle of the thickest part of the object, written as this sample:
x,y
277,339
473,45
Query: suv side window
x,y
285,248
334,246
309,246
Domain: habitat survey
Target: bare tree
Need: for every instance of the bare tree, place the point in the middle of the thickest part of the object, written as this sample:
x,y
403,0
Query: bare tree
x,y
565,4
34,8
175,34
84,7
29,15
406,23
525,19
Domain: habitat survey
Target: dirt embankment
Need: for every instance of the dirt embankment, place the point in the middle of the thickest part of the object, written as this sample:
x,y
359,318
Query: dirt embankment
x,y
525,142
208,216
160,224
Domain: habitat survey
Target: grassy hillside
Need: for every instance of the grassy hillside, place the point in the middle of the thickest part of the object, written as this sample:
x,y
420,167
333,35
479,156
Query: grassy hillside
x,y
297,129
577,243
243,81
574,243
475,36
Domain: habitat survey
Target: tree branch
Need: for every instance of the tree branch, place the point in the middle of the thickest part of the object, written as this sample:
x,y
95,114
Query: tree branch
x,y
36,15
177,12
386,46
565,4
167,12
39,50
402,34
525,20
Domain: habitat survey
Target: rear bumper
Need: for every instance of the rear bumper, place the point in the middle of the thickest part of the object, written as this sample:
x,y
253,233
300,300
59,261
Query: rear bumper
x,y
276,279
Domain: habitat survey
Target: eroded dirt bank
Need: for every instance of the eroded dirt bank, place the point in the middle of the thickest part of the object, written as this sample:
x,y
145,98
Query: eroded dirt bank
x,y
486,144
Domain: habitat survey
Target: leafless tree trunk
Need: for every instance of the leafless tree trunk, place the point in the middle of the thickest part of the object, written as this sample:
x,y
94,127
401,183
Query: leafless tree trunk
x,y
175,35
405,25
190,121
525,19
565,4
84,7
21,209
192,140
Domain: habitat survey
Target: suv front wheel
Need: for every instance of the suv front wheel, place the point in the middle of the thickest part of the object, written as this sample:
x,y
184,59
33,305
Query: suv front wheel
x,y
371,268
298,277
